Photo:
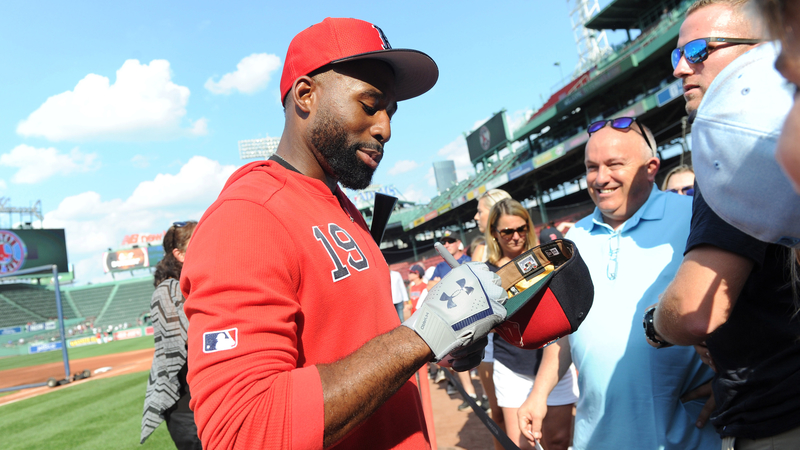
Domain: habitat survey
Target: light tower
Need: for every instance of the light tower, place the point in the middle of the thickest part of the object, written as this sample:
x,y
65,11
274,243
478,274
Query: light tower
x,y
258,148
592,44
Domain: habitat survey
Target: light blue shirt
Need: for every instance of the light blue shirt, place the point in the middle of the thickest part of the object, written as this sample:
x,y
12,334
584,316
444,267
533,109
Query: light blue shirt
x,y
629,391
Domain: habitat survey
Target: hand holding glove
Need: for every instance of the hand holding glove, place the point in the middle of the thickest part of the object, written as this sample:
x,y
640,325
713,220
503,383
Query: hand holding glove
x,y
460,311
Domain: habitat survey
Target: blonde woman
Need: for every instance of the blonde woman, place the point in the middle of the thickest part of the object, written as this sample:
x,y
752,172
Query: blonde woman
x,y
509,233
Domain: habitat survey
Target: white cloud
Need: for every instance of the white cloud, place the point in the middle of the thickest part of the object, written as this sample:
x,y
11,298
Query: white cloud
x,y
252,74
403,166
412,194
93,224
37,164
142,104
458,152
140,161
518,118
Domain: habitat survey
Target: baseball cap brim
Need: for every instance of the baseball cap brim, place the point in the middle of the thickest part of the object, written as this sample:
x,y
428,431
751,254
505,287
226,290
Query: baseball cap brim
x,y
550,294
415,72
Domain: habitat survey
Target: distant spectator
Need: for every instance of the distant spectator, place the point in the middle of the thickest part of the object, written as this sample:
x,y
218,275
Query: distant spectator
x,y
399,293
679,180
549,233
485,203
167,396
417,289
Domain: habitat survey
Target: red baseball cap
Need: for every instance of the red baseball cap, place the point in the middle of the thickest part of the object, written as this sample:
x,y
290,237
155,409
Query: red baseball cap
x,y
336,40
550,294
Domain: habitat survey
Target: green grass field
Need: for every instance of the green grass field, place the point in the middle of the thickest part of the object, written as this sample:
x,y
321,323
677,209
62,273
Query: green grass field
x,y
14,362
99,414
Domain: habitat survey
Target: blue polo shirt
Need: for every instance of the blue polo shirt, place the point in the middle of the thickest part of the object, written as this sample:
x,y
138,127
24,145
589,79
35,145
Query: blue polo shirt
x,y
630,391
443,268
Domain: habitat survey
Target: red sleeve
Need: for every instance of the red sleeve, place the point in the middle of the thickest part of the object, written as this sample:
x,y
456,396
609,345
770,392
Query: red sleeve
x,y
240,280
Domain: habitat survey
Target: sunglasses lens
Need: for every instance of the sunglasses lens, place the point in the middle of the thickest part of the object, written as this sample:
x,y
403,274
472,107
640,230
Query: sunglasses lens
x,y
622,123
696,51
676,57
689,192
596,126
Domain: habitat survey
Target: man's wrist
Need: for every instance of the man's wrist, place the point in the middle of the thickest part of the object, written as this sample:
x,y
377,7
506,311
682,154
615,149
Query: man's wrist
x,y
650,329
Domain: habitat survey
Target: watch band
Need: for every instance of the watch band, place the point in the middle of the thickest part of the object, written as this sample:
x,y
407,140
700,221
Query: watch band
x,y
650,329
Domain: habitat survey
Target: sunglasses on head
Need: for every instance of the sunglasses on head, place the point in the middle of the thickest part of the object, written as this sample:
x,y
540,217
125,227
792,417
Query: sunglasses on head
x,y
620,123
686,190
697,51
179,224
508,233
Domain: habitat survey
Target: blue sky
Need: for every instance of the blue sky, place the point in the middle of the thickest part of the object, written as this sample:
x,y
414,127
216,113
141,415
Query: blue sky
x,y
122,117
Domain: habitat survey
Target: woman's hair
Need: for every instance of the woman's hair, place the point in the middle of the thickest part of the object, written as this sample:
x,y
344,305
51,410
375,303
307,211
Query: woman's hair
x,y
773,13
509,207
493,196
680,169
177,237
478,241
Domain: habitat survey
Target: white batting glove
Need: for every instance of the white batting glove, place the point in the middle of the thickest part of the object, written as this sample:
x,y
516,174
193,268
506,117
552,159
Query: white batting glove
x,y
460,310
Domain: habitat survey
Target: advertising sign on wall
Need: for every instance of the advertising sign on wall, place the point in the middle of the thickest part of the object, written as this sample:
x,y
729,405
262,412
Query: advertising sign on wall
x,y
135,258
143,239
80,342
41,348
23,249
128,334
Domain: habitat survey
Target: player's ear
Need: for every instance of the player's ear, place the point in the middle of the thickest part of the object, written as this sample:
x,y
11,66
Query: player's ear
x,y
303,94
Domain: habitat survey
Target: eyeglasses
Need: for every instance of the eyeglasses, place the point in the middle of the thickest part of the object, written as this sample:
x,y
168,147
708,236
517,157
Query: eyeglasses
x,y
447,240
620,123
697,51
613,253
179,224
508,233
686,190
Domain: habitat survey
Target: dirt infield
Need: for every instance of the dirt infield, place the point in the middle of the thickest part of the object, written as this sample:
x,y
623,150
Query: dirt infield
x,y
120,364
455,430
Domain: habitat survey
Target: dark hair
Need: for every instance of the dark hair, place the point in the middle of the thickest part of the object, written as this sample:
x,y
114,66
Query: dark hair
x,y
176,237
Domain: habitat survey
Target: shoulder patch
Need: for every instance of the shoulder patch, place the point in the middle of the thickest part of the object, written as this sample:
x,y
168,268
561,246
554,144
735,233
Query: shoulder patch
x,y
215,341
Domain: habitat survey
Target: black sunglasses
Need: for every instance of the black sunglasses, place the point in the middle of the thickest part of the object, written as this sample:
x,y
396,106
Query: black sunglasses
x,y
686,190
179,224
697,51
620,123
508,233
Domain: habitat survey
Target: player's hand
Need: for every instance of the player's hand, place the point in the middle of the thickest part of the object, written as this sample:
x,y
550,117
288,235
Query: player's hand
x,y
704,390
460,310
530,416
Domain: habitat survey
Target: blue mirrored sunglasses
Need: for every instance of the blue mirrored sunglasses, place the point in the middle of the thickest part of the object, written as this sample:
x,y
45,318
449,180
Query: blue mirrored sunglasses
x,y
179,224
697,51
686,190
620,123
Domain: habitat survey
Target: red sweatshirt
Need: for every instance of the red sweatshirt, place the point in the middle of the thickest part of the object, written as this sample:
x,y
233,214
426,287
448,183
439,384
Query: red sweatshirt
x,y
280,276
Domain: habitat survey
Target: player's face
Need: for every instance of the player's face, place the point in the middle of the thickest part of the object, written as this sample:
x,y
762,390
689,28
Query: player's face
x,y
514,244
619,173
352,122
709,21
482,216
788,64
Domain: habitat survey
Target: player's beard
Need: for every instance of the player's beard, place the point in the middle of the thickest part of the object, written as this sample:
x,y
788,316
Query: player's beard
x,y
328,135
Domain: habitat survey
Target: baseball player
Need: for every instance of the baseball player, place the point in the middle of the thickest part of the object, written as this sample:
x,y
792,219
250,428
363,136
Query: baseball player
x,y
293,340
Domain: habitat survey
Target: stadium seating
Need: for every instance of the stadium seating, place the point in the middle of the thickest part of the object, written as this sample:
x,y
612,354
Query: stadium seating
x,y
40,301
89,300
131,300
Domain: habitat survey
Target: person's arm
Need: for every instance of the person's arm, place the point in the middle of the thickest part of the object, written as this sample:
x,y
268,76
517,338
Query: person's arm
x,y
556,359
258,393
702,295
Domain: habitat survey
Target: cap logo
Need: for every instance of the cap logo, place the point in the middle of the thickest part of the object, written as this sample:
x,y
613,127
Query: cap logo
x,y
527,264
215,341
551,252
462,288
385,42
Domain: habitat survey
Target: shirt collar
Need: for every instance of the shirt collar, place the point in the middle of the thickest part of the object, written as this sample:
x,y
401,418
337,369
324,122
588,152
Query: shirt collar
x,y
653,209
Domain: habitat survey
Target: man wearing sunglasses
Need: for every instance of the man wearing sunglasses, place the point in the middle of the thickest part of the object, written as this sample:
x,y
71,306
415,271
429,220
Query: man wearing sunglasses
x,y
632,245
732,296
714,33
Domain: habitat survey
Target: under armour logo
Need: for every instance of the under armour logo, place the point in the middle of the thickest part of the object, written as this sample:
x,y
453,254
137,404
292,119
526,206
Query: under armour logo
x,y
462,288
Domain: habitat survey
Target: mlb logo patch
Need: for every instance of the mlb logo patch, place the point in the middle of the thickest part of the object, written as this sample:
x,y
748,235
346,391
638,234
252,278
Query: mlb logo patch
x,y
215,341
527,264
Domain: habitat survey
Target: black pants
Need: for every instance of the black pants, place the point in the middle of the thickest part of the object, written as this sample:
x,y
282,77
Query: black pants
x,y
180,419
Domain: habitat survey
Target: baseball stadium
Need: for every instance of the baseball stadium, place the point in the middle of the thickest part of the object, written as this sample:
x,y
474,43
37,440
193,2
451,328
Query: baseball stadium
x,y
75,358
